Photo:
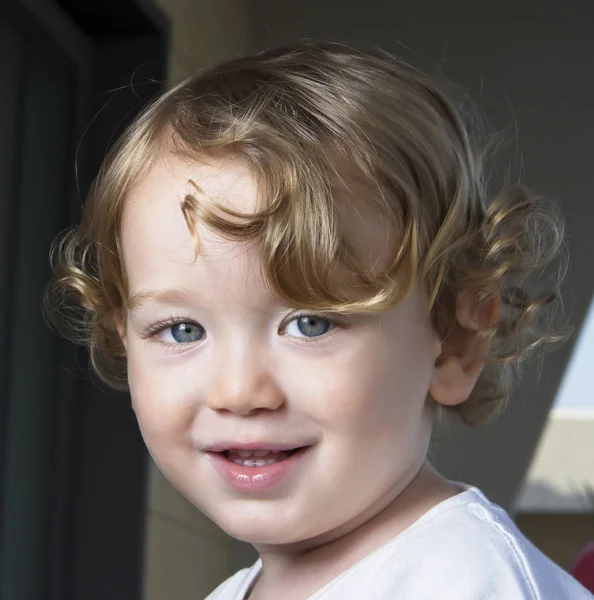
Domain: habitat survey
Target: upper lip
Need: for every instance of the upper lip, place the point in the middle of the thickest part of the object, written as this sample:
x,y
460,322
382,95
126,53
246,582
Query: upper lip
x,y
276,446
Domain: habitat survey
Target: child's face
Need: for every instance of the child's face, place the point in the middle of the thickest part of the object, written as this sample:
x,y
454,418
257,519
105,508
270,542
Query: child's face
x,y
245,371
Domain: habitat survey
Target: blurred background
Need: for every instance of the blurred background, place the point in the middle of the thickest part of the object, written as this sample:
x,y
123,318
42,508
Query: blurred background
x,y
83,513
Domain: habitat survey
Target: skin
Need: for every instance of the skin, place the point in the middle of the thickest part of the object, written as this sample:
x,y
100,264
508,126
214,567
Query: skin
x,y
358,394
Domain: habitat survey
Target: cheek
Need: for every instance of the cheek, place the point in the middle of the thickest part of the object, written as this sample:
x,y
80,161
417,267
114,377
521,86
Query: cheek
x,y
369,389
163,410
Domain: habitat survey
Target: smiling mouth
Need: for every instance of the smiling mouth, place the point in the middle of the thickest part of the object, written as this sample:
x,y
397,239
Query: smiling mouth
x,y
254,469
258,458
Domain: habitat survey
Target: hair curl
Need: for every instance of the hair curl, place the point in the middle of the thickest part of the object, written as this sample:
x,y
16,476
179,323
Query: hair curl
x,y
313,123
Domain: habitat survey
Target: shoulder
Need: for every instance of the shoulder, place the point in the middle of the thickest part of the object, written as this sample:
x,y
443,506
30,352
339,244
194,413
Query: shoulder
x,y
237,586
469,548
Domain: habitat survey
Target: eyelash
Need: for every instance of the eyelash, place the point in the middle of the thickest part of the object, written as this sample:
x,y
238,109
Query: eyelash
x,y
151,332
161,325
334,320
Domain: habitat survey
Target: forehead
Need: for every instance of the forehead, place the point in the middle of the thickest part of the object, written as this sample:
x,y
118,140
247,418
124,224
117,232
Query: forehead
x,y
157,243
157,246
167,183
154,204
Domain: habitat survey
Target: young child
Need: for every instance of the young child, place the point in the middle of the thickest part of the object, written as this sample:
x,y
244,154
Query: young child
x,y
290,262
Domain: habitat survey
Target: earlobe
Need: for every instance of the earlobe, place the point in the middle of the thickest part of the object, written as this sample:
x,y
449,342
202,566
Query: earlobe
x,y
454,379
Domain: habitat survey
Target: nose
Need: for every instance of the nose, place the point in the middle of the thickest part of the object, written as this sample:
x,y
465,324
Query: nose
x,y
243,383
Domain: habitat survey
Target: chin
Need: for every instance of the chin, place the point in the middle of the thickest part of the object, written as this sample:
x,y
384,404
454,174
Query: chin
x,y
263,529
256,534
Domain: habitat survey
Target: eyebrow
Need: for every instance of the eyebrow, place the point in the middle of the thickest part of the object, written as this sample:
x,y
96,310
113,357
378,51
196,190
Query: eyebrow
x,y
166,296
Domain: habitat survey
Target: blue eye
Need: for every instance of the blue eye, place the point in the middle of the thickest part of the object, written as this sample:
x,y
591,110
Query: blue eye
x,y
186,333
309,326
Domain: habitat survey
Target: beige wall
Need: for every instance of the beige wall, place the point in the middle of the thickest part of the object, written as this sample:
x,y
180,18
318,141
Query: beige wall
x,y
555,506
561,477
187,556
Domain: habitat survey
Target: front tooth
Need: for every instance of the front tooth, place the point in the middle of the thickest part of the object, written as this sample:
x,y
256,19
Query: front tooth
x,y
262,462
244,453
261,453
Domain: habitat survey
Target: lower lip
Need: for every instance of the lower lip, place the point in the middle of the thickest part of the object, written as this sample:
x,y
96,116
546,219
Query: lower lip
x,y
255,479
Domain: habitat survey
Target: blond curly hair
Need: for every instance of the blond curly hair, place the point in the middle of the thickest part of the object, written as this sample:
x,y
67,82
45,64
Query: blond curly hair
x,y
313,123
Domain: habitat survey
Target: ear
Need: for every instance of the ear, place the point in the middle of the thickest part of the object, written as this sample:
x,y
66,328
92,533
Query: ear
x,y
461,353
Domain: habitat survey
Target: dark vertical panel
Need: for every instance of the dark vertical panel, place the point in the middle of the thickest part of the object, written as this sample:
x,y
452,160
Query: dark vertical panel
x,y
33,379
112,460
72,479
10,58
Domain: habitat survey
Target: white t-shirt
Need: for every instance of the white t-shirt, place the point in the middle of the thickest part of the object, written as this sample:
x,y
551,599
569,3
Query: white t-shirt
x,y
465,548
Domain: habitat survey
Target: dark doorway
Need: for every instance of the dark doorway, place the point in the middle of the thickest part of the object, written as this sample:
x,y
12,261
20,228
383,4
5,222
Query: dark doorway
x,y
72,463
